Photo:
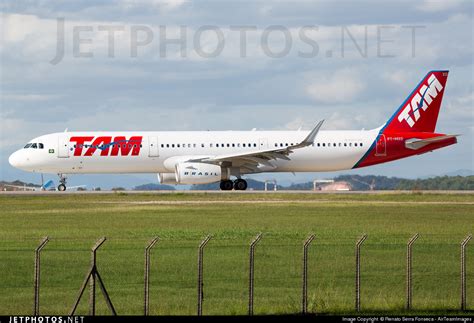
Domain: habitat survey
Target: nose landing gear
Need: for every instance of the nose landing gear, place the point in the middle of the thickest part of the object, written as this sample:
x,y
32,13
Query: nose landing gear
x,y
62,181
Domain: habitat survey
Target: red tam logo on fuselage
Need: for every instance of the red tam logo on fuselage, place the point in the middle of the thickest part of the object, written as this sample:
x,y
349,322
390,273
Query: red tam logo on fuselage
x,y
119,146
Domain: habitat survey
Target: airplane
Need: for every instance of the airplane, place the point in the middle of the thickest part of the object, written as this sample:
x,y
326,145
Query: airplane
x,y
201,157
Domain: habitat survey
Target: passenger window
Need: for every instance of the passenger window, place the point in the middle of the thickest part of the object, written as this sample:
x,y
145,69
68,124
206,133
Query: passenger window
x,y
243,145
228,145
167,145
345,144
319,144
355,144
172,145
162,146
255,145
178,145
360,144
233,145
350,144
324,144
210,145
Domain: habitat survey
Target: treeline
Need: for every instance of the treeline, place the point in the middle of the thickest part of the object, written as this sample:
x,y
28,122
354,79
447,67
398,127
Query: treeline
x,y
438,183
370,182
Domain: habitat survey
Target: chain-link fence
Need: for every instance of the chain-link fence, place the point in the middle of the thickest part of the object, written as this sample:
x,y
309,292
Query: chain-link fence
x,y
285,279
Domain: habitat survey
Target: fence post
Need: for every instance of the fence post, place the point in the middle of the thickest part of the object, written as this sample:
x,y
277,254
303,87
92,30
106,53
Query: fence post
x,y
357,278
91,278
200,274
463,272
37,273
147,273
409,285
305,273
304,301
251,271
92,281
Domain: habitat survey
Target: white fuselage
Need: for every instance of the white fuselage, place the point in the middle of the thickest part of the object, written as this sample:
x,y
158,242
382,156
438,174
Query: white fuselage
x,y
158,152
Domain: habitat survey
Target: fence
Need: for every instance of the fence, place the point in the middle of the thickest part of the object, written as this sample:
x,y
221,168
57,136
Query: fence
x,y
277,264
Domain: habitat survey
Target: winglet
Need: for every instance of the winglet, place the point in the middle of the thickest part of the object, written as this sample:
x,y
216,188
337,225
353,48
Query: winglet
x,y
310,138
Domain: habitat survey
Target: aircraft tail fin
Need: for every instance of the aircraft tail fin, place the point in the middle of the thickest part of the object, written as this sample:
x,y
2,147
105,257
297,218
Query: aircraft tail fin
x,y
419,112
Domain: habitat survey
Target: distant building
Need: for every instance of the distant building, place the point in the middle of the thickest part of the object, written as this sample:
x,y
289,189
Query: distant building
x,y
336,186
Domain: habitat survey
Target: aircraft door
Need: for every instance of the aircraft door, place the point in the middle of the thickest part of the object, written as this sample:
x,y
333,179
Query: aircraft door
x,y
381,146
63,146
153,147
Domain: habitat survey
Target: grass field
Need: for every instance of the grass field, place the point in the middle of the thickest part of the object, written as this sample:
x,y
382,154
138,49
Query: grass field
x,y
75,222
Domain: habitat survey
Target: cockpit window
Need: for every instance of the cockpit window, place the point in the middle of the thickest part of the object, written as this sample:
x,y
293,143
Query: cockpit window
x,y
40,146
34,146
27,146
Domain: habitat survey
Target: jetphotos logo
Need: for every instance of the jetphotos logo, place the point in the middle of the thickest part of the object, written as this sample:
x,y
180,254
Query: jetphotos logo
x,y
107,145
421,100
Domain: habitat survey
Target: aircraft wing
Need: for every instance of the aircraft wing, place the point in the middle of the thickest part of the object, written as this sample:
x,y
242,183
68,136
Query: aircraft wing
x,y
76,187
250,160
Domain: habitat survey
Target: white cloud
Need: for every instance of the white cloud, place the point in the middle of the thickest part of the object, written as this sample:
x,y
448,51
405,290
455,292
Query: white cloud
x,y
162,4
439,5
342,86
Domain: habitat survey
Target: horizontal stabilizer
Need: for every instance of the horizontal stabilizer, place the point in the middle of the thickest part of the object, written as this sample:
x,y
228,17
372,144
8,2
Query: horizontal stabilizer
x,y
416,143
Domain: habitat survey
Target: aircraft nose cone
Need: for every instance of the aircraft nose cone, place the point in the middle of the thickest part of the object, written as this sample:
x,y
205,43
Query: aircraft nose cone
x,y
15,159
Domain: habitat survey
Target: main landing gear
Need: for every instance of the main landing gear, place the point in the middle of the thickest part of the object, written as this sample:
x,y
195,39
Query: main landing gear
x,y
62,181
238,185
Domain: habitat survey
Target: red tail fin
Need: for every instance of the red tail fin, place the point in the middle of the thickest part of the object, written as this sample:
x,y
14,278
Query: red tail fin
x,y
419,112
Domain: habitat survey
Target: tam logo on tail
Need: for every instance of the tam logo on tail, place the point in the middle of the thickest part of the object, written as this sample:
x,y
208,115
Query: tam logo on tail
x,y
422,100
419,112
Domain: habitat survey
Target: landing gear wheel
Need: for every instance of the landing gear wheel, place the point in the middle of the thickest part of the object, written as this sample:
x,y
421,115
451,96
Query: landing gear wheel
x,y
240,185
226,185
62,183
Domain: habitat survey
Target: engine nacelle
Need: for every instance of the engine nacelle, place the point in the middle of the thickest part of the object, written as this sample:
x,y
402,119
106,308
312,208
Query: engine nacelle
x,y
197,173
167,178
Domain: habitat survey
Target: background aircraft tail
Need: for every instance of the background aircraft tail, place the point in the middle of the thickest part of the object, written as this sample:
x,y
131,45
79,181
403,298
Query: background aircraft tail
x,y
419,112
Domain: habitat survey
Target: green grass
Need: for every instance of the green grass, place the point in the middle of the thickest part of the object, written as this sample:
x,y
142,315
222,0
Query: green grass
x,y
129,221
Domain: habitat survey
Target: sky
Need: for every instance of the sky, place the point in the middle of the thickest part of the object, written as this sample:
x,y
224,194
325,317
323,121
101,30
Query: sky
x,y
231,65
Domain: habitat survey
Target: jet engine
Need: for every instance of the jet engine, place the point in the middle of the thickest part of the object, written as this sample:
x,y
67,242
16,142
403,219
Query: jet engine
x,y
192,173
167,178
197,173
